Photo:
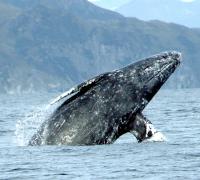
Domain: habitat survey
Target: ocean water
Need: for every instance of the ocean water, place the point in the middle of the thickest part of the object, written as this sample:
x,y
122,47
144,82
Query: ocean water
x,y
176,113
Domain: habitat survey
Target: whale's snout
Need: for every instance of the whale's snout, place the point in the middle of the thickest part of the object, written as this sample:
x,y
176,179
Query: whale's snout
x,y
156,70
174,57
177,56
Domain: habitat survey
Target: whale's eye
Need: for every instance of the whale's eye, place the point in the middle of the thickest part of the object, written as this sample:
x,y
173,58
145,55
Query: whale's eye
x,y
150,130
150,134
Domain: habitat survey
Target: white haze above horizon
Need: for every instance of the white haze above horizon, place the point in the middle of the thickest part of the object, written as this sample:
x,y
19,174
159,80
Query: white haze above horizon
x,y
183,12
113,4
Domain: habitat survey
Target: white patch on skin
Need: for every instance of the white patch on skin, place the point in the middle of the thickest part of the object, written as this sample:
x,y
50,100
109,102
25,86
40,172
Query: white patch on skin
x,y
156,137
69,136
96,113
63,96
151,128
71,91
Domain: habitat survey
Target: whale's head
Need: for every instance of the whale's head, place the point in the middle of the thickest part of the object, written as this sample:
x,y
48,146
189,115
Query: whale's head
x,y
142,81
147,76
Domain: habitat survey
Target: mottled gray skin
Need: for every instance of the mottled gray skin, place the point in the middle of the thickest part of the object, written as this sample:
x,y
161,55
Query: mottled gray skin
x,y
110,106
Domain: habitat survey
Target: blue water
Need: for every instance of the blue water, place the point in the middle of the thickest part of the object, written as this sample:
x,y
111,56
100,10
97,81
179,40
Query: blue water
x,y
176,113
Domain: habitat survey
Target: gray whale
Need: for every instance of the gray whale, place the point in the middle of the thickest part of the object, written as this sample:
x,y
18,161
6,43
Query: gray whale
x,y
102,109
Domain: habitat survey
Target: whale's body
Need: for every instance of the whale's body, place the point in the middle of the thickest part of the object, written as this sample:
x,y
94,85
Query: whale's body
x,y
104,108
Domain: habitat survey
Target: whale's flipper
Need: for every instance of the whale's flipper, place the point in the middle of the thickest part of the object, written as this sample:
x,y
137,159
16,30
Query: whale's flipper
x,y
151,133
79,88
141,123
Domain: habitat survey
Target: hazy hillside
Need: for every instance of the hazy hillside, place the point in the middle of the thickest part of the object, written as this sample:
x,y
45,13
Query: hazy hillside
x,y
52,45
177,11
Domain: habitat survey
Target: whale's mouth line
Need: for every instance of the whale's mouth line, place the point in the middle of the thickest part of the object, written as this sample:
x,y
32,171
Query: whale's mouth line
x,y
167,66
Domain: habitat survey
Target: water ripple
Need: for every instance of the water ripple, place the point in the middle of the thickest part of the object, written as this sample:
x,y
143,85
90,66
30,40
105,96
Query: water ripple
x,y
176,116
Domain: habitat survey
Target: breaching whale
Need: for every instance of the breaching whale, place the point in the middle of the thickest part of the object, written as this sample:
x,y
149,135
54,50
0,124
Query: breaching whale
x,y
102,109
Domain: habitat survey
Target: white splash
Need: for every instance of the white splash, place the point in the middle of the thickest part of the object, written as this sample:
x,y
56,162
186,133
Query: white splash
x,y
28,125
157,137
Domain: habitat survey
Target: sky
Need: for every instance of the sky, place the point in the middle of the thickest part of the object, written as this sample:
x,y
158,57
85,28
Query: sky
x,y
130,0
113,4
110,4
187,14
188,1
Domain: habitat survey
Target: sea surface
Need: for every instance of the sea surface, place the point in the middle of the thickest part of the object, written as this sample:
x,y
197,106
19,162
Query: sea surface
x,y
176,113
